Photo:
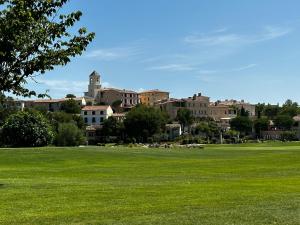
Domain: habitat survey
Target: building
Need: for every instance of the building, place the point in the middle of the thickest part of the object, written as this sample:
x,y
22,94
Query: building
x,y
219,111
108,96
52,105
94,85
239,105
150,97
95,115
171,106
197,104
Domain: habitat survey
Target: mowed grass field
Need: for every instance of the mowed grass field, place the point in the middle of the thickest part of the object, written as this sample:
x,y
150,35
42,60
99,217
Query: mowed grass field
x,y
219,185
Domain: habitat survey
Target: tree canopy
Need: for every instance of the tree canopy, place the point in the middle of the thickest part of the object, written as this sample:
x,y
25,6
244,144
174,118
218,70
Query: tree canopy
x,y
27,129
143,122
185,117
34,38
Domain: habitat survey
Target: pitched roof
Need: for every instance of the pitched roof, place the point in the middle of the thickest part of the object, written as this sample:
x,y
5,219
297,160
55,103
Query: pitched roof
x,y
95,108
154,91
55,100
119,90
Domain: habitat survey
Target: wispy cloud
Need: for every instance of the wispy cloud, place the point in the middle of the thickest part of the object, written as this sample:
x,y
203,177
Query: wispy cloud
x,y
173,67
118,53
64,85
244,67
225,38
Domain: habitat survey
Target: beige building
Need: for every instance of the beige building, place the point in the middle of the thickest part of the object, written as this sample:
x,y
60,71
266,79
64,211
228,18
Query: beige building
x,y
108,96
150,97
52,105
197,104
239,105
219,111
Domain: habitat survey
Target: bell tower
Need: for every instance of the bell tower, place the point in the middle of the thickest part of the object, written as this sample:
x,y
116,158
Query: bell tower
x,y
94,84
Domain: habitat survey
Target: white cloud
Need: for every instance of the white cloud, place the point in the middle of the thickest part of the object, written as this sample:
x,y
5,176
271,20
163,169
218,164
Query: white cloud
x,y
110,54
223,38
244,67
173,67
212,40
62,87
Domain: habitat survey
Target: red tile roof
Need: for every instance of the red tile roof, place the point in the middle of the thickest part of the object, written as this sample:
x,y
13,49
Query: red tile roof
x,y
95,108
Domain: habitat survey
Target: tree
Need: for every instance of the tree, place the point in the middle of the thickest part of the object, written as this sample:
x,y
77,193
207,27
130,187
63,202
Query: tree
x,y
70,96
143,122
70,106
34,38
112,127
243,112
209,128
116,105
69,135
185,117
261,124
25,129
242,124
271,111
284,122
289,108
259,109
57,118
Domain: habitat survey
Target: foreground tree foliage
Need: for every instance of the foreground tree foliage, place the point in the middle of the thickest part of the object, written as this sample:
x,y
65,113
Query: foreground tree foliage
x,y
34,38
185,118
70,106
26,129
69,134
143,122
243,124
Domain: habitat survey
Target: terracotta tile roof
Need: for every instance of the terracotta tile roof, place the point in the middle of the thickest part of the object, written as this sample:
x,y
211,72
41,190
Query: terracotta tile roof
x,y
119,90
55,100
95,108
154,91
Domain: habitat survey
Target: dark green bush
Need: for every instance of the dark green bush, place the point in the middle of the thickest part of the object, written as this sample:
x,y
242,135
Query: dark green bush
x,y
26,129
69,135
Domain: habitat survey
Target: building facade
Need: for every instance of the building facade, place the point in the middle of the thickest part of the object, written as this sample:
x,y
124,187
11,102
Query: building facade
x,y
198,105
108,96
52,105
150,97
95,115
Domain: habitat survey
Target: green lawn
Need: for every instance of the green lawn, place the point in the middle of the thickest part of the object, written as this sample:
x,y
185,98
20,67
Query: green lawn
x,y
220,185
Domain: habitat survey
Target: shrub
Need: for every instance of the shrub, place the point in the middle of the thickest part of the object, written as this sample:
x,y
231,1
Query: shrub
x,y
288,136
26,129
69,135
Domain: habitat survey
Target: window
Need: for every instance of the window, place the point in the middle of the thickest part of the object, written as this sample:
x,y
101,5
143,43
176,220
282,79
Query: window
x,y
85,113
101,119
101,112
86,120
93,113
93,120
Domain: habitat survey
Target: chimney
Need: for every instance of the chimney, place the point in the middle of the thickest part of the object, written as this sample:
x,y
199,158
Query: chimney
x,y
199,94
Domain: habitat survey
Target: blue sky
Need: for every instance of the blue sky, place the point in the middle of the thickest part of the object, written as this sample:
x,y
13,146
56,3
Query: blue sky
x,y
225,49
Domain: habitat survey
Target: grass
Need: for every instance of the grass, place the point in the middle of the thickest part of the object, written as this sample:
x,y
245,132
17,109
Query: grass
x,y
255,184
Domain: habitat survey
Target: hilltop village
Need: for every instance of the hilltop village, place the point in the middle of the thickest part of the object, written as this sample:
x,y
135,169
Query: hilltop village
x,y
100,103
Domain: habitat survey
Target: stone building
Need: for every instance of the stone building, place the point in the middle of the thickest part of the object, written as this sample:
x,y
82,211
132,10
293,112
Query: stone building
x,y
108,96
197,104
150,97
